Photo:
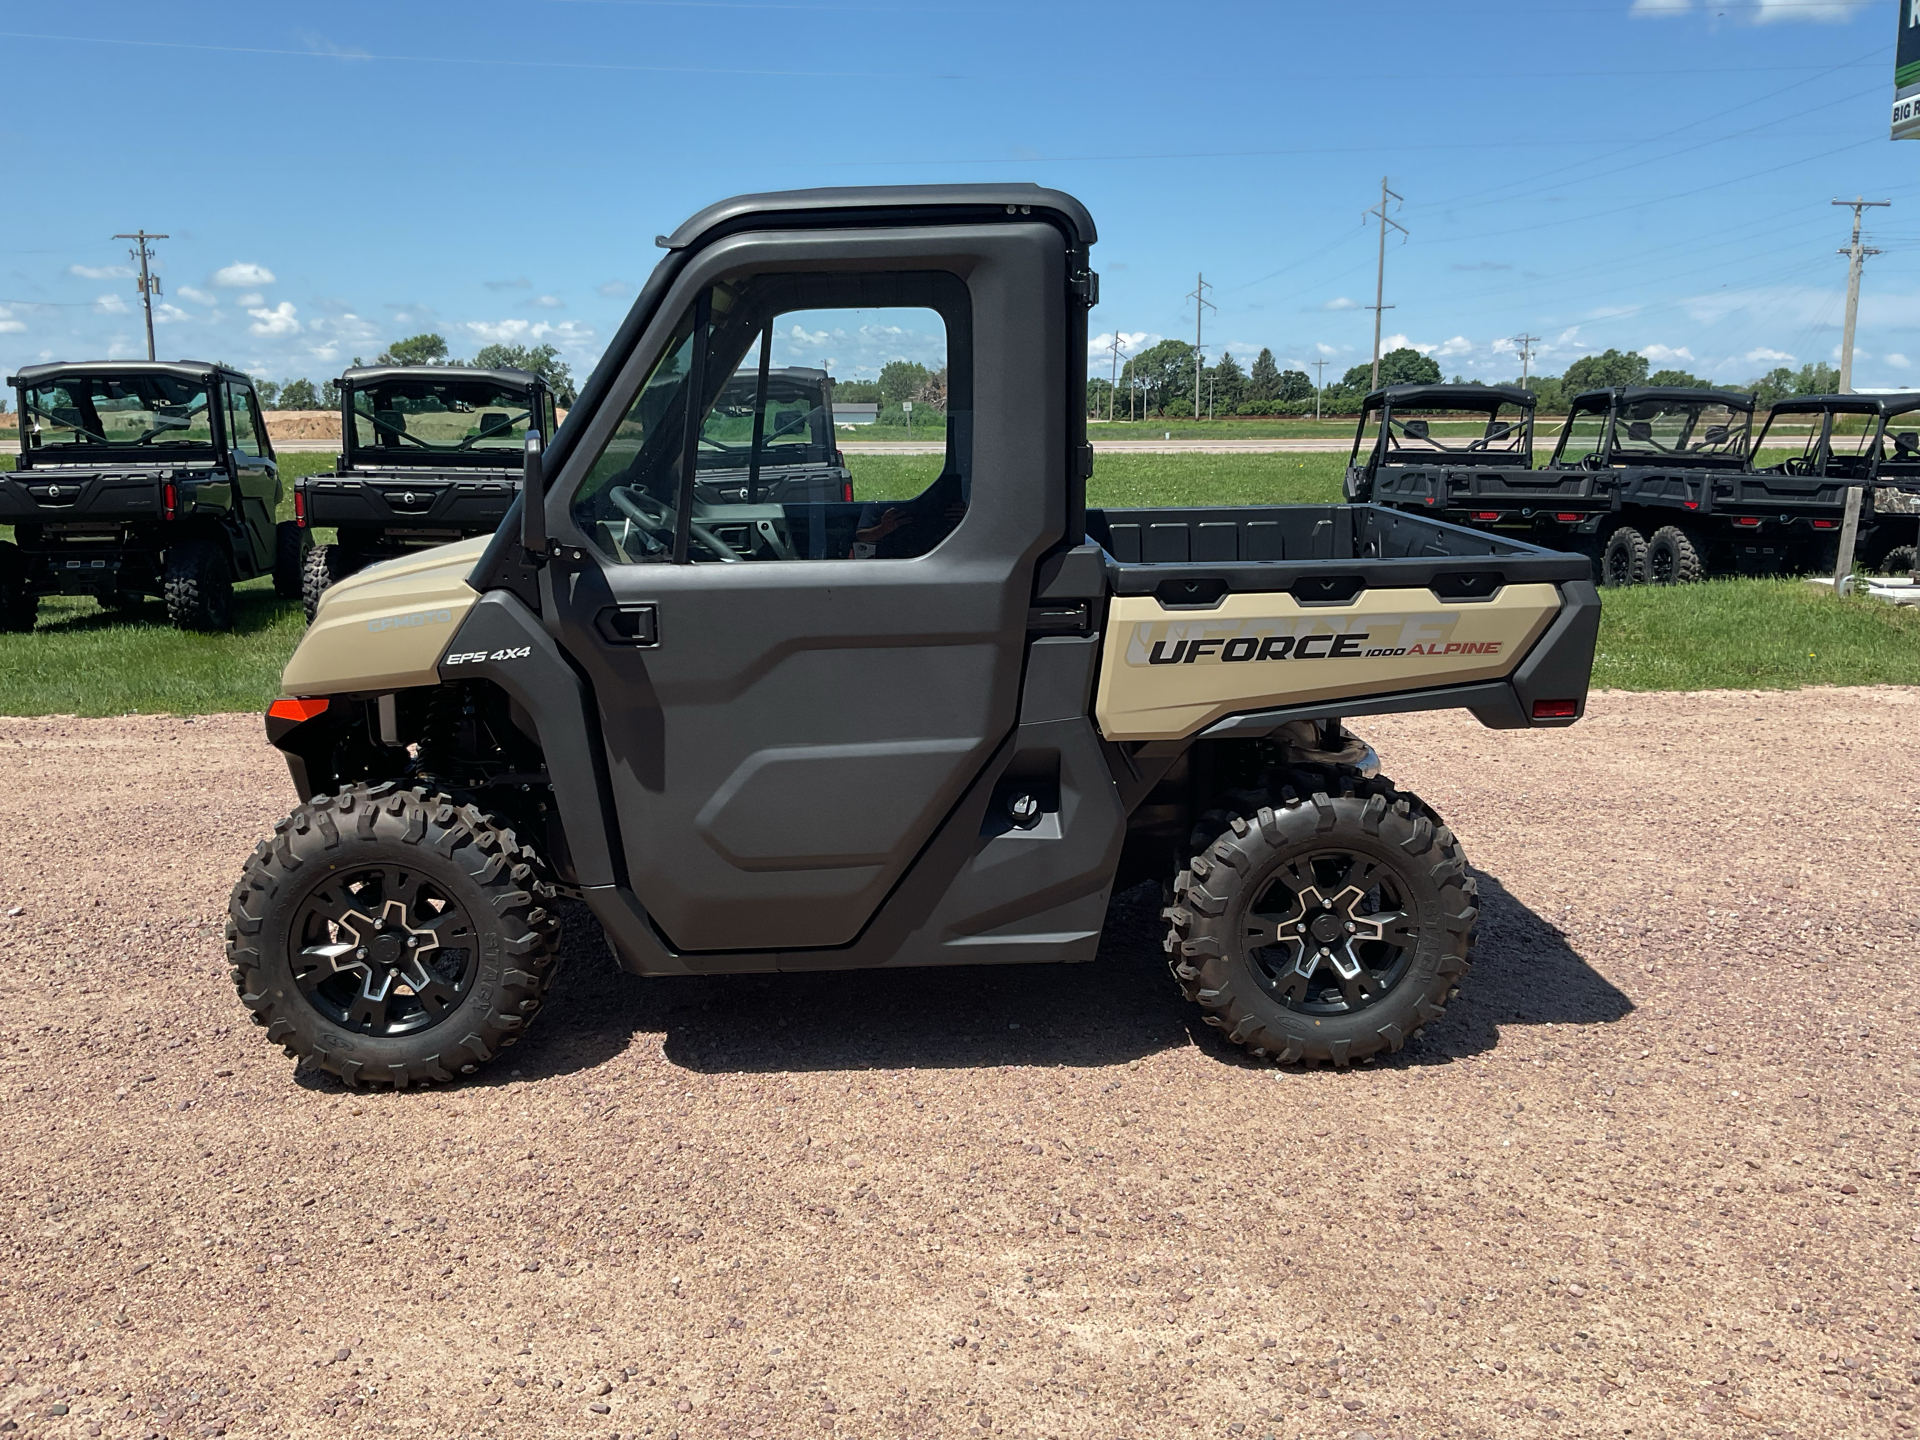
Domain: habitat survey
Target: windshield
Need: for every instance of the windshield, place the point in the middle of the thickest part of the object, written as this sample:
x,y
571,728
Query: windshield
x,y
433,416
1583,438
797,430
1657,430
123,411
1499,433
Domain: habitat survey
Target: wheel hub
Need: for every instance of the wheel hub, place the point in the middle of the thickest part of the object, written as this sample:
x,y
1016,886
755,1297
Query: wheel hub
x,y
1336,937
385,952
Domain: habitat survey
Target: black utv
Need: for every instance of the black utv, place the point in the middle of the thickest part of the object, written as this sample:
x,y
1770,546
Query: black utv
x,y
769,441
137,479
1465,452
428,454
1834,442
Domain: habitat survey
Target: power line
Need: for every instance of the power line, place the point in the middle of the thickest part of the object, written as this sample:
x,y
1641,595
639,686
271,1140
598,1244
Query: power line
x,y
1200,307
1319,383
1526,344
1380,275
149,282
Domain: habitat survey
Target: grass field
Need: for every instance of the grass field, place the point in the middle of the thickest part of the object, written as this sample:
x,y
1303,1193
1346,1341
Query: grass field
x,y
1758,634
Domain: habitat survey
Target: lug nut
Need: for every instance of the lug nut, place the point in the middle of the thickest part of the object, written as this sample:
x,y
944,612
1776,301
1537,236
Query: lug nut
x,y
1301,928
379,924
361,953
1349,927
413,940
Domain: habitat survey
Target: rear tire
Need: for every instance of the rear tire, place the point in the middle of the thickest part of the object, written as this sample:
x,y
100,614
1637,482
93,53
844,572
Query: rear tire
x,y
1672,558
306,958
19,607
1623,559
324,567
290,544
199,586
1246,926
1900,560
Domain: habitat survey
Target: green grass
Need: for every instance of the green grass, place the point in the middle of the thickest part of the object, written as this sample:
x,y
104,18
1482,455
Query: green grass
x,y
1744,634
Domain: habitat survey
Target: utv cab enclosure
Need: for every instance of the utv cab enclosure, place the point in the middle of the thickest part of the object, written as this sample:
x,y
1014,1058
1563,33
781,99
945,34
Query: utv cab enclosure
x,y
1833,442
141,478
1465,453
428,454
935,728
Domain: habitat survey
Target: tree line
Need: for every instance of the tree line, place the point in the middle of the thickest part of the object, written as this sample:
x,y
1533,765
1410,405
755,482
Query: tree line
x,y
1158,383
429,349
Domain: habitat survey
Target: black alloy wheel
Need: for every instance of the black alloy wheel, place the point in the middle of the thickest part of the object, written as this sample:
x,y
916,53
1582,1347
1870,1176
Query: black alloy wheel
x,y
382,950
1332,934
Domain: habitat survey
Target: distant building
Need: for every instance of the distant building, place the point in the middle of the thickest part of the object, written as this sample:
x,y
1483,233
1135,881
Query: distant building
x,y
855,412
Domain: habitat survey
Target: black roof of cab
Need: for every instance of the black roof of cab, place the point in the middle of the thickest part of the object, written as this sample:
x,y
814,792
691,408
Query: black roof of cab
x,y
1851,404
1473,397
1624,395
370,374
186,369
835,205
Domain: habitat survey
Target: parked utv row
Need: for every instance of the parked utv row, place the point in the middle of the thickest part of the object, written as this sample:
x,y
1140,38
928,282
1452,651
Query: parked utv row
x,y
145,479
1656,484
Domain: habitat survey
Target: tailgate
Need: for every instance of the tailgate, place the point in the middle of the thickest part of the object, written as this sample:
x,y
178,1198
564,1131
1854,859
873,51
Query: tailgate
x,y
51,497
1275,613
1779,494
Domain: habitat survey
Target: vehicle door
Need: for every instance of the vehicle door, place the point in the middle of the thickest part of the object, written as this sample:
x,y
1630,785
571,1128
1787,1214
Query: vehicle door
x,y
792,696
256,474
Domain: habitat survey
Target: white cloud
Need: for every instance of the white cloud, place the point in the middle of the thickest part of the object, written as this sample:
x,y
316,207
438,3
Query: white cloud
x,y
1324,348
611,288
165,314
1131,343
8,324
199,297
348,327
1767,12
1762,355
256,298
111,305
1458,345
101,272
1341,303
242,275
1664,354
523,283
568,336
277,321
548,302
1401,342
1896,359
1659,9
1757,12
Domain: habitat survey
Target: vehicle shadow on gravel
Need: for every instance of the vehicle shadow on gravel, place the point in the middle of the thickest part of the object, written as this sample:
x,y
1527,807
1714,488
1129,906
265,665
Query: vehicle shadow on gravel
x,y
1122,1007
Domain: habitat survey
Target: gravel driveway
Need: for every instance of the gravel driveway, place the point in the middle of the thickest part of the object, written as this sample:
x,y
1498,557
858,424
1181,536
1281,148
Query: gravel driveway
x,y
1652,1176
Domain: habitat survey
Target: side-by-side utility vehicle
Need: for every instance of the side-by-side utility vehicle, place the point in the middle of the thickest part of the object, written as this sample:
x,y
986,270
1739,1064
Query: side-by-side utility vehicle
x,y
1835,442
138,479
1465,453
428,454
938,729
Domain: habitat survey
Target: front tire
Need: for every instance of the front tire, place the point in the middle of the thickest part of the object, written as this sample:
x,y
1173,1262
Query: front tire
x,y
324,567
391,936
1330,927
1673,559
19,606
1623,559
199,586
290,544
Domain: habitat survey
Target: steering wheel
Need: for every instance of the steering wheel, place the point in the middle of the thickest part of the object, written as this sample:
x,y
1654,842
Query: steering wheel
x,y
656,519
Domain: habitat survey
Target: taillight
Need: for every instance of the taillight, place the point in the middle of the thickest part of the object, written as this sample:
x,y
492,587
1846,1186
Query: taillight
x,y
846,491
300,508
1555,709
1486,514
306,707
1691,504
1747,522
1566,519
170,499
1825,524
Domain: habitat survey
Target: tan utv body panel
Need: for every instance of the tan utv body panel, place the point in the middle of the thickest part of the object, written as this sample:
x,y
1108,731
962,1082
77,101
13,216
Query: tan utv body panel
x,y
1240,656
386,627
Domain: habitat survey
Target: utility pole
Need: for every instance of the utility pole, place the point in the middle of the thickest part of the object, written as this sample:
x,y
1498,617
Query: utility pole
x,y
1113,384
1856,253
1200,307
149,282
1526,344
1319,383
1380,276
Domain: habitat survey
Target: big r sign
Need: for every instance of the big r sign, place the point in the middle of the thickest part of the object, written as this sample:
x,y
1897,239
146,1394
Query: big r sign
x,y
1906,74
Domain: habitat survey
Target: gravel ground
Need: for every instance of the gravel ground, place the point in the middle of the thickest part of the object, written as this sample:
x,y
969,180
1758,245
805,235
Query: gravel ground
x,y
1652,1176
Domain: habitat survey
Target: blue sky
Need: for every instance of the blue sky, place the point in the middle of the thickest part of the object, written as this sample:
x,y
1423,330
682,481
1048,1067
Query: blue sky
x,y
1648,174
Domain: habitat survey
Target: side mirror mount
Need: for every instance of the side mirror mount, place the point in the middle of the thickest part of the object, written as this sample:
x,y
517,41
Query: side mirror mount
x,y
533,499
1716,435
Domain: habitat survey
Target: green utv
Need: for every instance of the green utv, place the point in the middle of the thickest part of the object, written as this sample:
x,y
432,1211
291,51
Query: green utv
x,y
141,478
939,725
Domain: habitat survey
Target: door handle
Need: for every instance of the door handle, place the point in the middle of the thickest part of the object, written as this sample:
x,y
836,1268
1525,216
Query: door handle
x,y
632,624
